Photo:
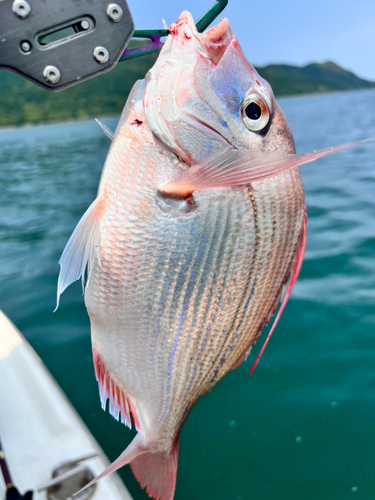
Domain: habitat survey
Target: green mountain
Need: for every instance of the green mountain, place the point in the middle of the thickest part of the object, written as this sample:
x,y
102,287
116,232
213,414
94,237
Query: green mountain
x,y
311,79
23,102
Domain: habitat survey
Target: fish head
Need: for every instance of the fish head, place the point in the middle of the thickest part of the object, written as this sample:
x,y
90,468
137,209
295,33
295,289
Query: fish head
x,y
203,94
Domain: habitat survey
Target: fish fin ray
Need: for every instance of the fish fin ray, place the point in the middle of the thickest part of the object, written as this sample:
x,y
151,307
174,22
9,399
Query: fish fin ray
x,y
135,448
157,472
82,248
293,278
105,129
239,363
119,403
238,168
242,358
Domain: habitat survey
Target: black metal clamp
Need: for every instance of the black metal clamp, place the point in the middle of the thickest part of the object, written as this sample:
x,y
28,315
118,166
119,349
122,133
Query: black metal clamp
x,y
57,44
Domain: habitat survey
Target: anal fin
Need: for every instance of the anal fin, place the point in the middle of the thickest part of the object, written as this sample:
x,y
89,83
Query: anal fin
x,y
119,403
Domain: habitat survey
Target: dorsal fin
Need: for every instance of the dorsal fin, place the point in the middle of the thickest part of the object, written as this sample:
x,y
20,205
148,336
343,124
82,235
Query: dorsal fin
x,y
105,129
82,248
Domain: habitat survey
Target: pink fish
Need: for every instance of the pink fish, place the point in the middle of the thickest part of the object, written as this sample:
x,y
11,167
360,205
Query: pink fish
x,y
198,227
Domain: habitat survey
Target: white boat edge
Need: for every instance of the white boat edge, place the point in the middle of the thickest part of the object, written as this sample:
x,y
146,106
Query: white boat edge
x,y
39,428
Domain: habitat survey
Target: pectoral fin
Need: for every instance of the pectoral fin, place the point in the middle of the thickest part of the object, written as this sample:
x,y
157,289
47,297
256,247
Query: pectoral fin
x,y
239,168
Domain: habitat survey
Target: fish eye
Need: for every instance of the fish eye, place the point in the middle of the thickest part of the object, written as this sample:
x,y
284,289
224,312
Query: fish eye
x,y
255,112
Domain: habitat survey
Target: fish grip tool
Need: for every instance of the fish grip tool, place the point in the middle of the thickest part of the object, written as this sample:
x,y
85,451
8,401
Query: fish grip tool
x,y
58,44
156,35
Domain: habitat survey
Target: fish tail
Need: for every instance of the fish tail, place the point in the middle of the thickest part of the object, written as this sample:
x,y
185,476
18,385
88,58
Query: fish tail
x,y
155,471
135,448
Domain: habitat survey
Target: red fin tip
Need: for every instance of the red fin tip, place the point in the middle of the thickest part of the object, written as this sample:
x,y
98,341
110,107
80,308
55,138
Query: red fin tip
x,y
119,403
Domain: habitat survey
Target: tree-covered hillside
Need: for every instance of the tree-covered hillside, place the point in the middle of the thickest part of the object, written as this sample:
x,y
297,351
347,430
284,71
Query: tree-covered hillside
x,y
311,79
23,102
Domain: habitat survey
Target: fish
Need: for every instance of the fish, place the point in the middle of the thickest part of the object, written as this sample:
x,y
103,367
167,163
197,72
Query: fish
x,y
197,233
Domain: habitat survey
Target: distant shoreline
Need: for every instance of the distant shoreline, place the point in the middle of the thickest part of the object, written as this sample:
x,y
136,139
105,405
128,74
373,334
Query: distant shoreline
x,y
315,94
23,103
10,128
57,122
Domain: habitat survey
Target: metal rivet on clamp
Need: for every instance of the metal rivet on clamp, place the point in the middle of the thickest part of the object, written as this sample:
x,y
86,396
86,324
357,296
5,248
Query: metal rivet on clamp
x,y
114,12
25,46
101,55
51,74
21,8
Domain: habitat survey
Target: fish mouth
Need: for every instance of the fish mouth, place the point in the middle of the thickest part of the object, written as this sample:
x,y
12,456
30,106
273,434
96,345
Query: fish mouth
x,y
217,39
185,20
173,105
211,43
183,34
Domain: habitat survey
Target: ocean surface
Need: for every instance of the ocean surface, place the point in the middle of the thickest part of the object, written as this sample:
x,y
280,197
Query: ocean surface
x,y
303,425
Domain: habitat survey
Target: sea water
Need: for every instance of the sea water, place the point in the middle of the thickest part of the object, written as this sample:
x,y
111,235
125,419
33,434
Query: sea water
x,y
303,425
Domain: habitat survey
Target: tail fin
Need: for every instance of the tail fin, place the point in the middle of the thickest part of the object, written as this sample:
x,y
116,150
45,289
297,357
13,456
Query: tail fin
x,y
157,471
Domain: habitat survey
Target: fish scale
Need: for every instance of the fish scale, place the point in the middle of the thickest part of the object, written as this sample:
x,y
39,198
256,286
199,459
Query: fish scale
x,y
198,229
221,247
182,279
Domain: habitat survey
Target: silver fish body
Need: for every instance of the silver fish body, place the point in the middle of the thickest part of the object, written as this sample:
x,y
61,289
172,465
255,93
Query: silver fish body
x,y
180,297
179,289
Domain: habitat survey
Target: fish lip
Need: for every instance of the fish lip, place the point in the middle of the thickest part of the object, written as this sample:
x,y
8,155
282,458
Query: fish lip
x,y
207,43
218,31
184,19
184,31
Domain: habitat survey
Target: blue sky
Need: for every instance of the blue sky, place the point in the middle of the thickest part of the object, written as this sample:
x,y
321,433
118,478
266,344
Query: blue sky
x,y
285,31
